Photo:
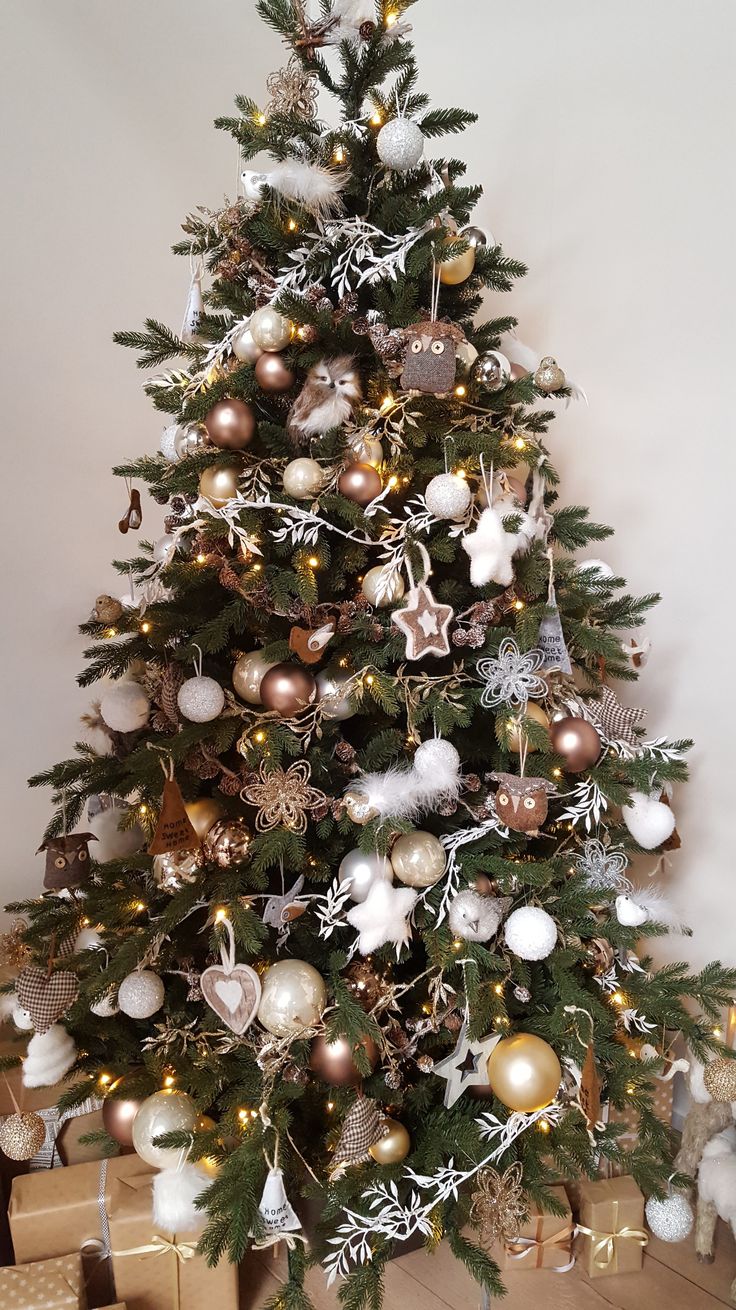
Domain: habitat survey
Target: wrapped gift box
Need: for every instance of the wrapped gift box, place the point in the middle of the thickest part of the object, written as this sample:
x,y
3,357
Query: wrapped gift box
x,y
611,1227
161,1271
43,1100
544,1241
45,1285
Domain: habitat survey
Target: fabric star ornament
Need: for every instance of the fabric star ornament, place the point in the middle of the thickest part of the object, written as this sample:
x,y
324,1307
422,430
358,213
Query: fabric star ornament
x,y
424,623
466,1066
383,917
614,721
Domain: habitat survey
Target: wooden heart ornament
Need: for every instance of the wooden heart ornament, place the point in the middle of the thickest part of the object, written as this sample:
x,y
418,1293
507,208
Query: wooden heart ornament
x,y
234,994
46,997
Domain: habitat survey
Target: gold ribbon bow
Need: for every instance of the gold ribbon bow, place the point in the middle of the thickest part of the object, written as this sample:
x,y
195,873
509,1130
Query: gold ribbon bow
x,y
604,1244
521,1246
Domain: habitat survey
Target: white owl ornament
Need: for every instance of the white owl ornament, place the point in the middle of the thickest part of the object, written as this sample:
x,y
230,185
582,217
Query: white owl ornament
x,y
326,400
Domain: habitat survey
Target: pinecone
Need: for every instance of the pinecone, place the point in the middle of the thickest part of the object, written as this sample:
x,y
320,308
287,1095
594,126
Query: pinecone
x,y
201,765
453,1022
320,812
471,782
366,30
178,504
346,306
228,577
308,334
230,784
292,1074
345,752
160,497
447,808
171,681
171,522
473,636
393,1079
425,1064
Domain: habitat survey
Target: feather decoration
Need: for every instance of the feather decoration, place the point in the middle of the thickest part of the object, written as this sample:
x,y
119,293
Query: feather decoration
x,y
316,188
175,1193
649,905
400,793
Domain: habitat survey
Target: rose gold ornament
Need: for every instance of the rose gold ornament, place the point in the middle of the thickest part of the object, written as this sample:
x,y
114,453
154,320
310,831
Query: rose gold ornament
x,y
230,424
394,1146
272,373
360,483
287,689
517,372
333,1062
577,742
228,842
218,484
118,1113
22,1135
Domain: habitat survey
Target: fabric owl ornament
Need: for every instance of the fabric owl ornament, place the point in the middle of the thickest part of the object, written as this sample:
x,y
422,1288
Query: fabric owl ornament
x,y
521,803
67,860
430,360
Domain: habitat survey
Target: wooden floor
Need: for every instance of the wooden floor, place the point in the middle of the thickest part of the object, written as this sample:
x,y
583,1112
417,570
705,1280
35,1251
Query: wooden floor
x,y
671,1279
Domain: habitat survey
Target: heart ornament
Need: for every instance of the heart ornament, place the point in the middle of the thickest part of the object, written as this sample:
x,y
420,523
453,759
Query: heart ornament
x,y
46,997
232,990
648,819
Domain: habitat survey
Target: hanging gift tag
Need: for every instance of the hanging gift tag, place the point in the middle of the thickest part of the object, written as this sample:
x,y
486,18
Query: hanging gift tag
x,y
277,1212
590,1088
195,308
551,641
174,831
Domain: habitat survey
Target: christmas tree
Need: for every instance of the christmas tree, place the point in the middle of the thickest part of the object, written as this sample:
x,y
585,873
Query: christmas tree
x,y
358,912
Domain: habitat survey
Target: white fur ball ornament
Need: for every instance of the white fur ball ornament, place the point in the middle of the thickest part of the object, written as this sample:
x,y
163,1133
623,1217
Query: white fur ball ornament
x,y
141,994
531,933
175,1192
448,497
50,1055
125,707
201,699
400,144
648,819
672,1219
115,842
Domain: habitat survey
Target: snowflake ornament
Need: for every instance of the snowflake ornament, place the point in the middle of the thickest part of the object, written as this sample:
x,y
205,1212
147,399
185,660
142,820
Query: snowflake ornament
x,y
511,678
603,867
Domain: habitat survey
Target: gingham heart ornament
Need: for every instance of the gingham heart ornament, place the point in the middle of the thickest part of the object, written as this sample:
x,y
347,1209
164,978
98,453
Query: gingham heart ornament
x,y
46,997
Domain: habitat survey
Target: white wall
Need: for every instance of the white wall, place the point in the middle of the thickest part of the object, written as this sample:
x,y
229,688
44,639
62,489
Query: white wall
x,y
605,147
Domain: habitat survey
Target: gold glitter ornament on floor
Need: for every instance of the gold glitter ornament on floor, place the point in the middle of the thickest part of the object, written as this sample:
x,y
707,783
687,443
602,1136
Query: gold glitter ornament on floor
x,y
22,1136
497,1208
720,1079
293,91
283,797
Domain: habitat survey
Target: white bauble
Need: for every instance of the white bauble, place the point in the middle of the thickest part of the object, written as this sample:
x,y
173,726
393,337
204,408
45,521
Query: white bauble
x,y
141,994
400,144
629,914
293,997
436,757
648,819
167,1111
248,674
269,329
125,707
418,859
448,497
164,549
597,566
361,869
201,699
531,933
167,444
672,1219
113,841
244,347
88,939
22,1019
303,479
335,702
374,586
106,1007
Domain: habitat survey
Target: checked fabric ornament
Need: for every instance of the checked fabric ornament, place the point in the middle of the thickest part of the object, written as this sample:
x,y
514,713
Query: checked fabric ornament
x,y
45,996
363,1126
615,722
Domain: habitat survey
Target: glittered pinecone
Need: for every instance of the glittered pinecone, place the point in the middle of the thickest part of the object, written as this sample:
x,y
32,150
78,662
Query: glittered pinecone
x,y
346,306
393,1079
160,497
366,30
522,994
425,1064
471,782
172,522
447,808
308,334
178,504
292,1074
474,636
228,577
345,752
201,765
453,1022
321,812
230,784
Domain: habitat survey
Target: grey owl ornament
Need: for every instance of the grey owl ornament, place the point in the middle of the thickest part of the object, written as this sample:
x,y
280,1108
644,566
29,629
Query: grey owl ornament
x,y
477,918
326,400
430,360
67,860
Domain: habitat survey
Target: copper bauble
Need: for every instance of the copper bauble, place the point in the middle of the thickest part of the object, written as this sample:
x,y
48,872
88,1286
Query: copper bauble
x,y
272,373
218,484
228,842
394,1146
364,984
203,813
360,483
230,424
530,711
287,689
118,1113
524,1072
577,742
333,1061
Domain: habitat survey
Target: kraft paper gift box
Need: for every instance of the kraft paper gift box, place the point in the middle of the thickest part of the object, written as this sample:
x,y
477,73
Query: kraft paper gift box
x,y
119,1305
161,1271
612,1227
43,1100
544,1240
45,1285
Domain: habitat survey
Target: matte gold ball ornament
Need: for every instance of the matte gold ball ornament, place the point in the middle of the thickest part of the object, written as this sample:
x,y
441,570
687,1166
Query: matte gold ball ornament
x,y
360,483
458,269
524,1072
273,373
230,424
382,589
720,1079
218,484
334,1062
418,859
394,1146
513,733
22,1136
269,329
202,813
576,741
167,1111
287,689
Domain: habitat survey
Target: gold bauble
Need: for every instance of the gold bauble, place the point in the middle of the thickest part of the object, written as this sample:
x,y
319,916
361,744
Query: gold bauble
x,y
524,1072
418,859
269,329
228,842
358,809
394,1146
720,1079
457,270
218,485
377,592
167,1111
530,711
22,1136
203,813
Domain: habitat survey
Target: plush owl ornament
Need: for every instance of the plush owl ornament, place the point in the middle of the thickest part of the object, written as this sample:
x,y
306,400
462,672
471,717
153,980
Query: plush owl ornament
x,y
430,362
67,860
326,400
521,803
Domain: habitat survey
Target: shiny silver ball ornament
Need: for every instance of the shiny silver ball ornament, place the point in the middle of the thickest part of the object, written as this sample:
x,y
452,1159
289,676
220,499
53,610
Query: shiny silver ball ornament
x,y
293,997
334,700
418,859
164,549
465,357
672,1219
361,870
448,497
303,479
190,438
491,370
475,236
244,347
175,869
167,1111
201,699
125,707
375,589
435,754
248,675
141,994
549,376
400,144
269,329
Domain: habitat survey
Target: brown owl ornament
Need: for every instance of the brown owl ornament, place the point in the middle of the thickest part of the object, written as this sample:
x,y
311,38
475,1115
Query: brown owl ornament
x,y
67,860
521,803
330,393
430,361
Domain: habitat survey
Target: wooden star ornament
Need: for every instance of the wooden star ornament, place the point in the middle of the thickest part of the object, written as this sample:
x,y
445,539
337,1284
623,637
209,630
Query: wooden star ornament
x,y
424,623
466,1066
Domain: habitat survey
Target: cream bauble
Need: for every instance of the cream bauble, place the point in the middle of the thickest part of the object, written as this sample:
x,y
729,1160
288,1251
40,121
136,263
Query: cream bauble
x,y
293,997
448,497
248,674
115,837
125,707
335,700
201,699
524,1072
531,933
244,347
141,994
269,329
361,869
418,859
465,357
88,939
167,1111
303,479
375,589
164,549
672,1219
167,444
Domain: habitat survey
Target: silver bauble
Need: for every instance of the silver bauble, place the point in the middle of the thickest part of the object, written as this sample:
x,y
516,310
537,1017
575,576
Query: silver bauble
x,y
189,439
672,1219
303,479
244,347
201,699
400,144
125,707
334,701
361,869
491,370
418,859
375,589
448,497
167,1111
175,869
434,754
531,933
164,548
248,675
269,329
293,997
167,444
475,236
141,994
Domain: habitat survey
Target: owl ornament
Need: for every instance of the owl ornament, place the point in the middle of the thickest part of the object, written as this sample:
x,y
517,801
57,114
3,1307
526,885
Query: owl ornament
x,y
521,803
430,361
67,860
326,400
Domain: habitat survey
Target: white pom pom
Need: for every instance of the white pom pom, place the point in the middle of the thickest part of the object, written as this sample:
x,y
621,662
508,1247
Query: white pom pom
x,y
531,933
174,1194
114,842
141,994
201,699
50,1055
125,707
672,1219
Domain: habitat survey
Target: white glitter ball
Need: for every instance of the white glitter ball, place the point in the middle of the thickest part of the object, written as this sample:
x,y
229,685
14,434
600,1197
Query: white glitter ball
x,y
672,1219
141,994
447,496
200,699
167,445
531,933
125,707
400,144
436,754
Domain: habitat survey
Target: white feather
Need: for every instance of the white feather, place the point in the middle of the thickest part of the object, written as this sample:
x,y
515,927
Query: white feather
x,y
174,1194
402,793
659,909
50,1055
318,189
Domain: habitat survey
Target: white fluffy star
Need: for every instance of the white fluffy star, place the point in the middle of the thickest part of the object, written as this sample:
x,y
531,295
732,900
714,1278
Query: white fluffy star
x,y
491,550
383,917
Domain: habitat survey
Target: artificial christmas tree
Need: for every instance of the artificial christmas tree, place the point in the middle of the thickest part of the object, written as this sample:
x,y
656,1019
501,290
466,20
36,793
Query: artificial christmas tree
x,y
369,954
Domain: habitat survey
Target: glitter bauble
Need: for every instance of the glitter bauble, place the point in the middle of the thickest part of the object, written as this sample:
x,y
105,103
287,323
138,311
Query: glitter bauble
x,y
269,329
376,591
228,843
287,689
293,997
334,700
141,994
201,699
434,754
202,813
393,1146
218,485
175,869
720,1079
358,809
248,674
418,859
576,741
22,1136
549,376
448,497
672,1219
334,1062
531,933
514,736
400,144
118,1114
230,424
361,869
167,1111
244,347
360,483
303,479
524,1072
491,370
125,707
273,373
